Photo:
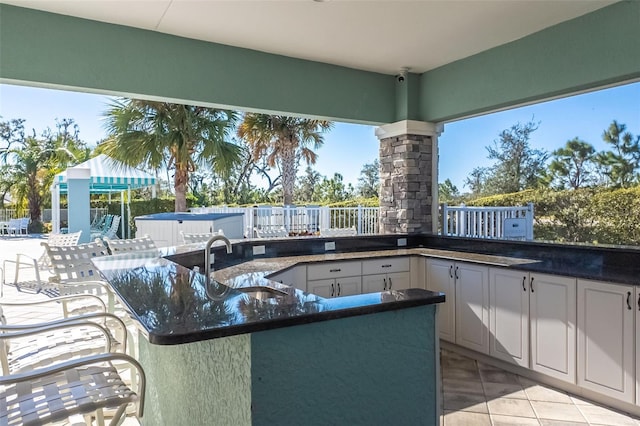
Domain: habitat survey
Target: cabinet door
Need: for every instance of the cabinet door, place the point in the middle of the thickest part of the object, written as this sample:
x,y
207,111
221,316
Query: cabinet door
x,y
472,306
323,288
348,286
398,281
509,315
325,270
605,339
440,279
552,302
294,277
374,283
637,331
385,265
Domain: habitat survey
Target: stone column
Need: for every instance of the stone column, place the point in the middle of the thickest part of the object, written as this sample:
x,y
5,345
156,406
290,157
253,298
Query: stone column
x,y
408,177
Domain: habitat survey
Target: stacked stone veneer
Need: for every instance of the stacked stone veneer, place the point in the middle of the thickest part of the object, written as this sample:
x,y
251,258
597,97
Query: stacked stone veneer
x,y
406,184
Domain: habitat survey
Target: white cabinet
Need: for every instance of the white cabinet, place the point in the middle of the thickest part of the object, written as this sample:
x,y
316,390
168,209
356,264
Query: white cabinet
x,y
552,313
464,317
335,287
637,330
440,278
532,320
472,306
295,276
385,274
334,279
606,339
509,315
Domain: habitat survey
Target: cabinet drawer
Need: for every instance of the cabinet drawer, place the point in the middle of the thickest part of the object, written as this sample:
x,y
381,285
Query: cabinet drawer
x,y
325,270
385,265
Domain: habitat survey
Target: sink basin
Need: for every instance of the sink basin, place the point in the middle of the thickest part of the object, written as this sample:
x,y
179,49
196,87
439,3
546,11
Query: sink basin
x,y
262,292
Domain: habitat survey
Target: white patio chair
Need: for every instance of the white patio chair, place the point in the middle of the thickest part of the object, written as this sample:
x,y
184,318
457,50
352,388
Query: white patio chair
x,y
83,386
190,238
338,232
25,261
271,232
74,272
144,243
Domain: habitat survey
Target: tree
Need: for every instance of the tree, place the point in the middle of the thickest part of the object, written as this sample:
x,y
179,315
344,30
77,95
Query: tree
x,y
181,138
334,190
29,163
369,180
620,165
518,166
308,189
573,165
285,142
448,192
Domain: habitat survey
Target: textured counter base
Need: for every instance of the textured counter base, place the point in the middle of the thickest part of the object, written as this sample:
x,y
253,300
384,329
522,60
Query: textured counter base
x,y
202,383
365,370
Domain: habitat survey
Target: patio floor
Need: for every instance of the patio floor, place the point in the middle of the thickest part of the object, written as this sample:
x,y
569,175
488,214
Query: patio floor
x,y
473,393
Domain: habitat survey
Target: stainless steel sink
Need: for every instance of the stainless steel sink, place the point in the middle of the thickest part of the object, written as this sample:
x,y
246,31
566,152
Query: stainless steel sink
x,y
262,292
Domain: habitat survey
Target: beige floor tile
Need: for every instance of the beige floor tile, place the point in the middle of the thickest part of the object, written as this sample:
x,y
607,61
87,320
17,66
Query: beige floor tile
x,y
557,411
499,376
596,414
464,418
513,421
511,407
465,402
546,422
463,386
459,373
578,400
543,393
463,364
506,390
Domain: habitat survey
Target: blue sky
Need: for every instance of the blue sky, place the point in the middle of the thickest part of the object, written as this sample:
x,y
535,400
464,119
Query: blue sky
x,y
348,146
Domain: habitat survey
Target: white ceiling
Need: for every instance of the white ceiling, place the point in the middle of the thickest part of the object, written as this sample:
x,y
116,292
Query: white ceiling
x,y
377,35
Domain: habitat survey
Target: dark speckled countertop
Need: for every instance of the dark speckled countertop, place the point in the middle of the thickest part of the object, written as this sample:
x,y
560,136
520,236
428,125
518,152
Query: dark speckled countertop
x,y
174,305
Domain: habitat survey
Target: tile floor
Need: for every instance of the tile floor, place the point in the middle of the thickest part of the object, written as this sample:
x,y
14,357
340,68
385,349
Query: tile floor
x,y
477,394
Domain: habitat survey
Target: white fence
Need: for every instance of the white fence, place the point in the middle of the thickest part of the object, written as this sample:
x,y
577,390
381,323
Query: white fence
x,y
308,219
488,222
7,214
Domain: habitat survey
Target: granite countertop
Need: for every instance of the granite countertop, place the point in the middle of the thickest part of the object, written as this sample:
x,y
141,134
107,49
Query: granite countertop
x,y
173,305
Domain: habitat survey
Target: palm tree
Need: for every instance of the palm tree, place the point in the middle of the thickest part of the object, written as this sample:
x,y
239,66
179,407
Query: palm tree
x,y
180,137
284,140
29,164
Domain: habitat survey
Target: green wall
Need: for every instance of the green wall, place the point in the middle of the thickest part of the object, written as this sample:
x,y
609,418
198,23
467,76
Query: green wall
x,y
44,49
590,51
376,369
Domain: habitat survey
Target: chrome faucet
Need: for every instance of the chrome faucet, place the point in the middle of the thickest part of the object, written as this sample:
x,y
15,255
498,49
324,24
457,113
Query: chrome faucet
x,y
207,255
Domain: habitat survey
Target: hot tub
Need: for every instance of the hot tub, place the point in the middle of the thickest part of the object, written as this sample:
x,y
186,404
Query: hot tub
x,y
164,228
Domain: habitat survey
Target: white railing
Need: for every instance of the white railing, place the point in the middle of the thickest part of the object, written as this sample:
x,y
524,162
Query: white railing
x,y
488,222
7,214
310,219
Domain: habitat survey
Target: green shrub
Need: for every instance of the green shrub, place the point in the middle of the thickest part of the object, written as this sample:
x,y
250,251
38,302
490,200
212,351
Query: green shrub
x,y
594,215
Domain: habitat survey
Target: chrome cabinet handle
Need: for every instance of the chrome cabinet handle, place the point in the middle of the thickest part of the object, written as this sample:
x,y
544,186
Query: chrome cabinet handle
x,y
628,300
531,285
451,271
456,274
524,279
385,283
335,270
390,283
338,289
332,290
387,266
